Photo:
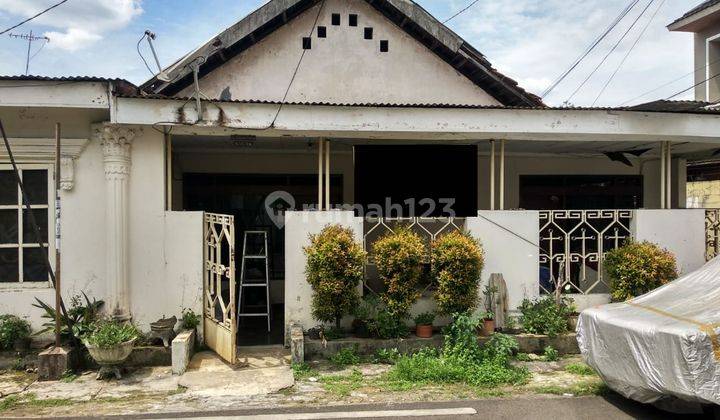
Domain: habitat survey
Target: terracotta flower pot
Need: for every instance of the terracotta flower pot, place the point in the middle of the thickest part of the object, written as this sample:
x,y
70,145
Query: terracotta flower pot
x,y
488,327
424,331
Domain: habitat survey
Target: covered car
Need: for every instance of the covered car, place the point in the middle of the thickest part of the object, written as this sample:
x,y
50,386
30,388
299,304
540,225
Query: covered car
x,y
662,347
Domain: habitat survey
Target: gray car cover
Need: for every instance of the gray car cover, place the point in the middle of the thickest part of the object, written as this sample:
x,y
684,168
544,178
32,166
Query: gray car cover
x,y
661,345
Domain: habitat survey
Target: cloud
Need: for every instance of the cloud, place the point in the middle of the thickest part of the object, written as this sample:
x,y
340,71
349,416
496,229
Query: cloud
x,y
78,24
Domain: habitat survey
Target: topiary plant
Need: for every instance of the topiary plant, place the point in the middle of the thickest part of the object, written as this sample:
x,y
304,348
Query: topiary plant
x,y
335,263
637,268
457,261
399,256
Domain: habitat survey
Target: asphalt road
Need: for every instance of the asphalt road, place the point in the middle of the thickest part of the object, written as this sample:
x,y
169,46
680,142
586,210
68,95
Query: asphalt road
x,y
606,408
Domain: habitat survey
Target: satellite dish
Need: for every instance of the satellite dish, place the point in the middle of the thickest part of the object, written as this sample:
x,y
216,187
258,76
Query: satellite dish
x,y
163,77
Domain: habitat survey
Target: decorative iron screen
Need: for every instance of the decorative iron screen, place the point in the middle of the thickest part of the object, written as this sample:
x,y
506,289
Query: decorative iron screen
x,y
712,233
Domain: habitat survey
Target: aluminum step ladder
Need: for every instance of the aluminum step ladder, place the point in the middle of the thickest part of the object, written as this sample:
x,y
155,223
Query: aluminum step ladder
x,y
245,282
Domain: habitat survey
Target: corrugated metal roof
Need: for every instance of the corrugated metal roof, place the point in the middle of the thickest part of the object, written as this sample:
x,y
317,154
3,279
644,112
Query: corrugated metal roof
x,y
63,79
686,107
697,9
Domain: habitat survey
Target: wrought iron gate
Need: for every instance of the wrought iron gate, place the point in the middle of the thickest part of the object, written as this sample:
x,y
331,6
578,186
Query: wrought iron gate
x,y
220,323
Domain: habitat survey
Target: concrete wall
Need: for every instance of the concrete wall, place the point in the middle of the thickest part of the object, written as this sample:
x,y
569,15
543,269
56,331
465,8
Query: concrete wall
x,y
298,228
682,232
360,72
701,61
510,241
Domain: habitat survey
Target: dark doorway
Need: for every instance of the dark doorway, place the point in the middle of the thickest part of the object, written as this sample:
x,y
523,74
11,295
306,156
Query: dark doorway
x,y
581,192
404,175
243,196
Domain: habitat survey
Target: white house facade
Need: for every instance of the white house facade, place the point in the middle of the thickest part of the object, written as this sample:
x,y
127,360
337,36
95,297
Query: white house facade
x,y
363,113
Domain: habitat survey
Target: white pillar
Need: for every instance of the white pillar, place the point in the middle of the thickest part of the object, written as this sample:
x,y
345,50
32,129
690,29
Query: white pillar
x,y
662,175
492,174
502,174
327,175
116,142
320,173
668,175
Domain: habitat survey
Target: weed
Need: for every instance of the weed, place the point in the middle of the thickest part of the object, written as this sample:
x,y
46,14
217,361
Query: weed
x,y
550,354
580,369
345,357
302,371
18,364
578,390
68,376
386,356
343,385
522,357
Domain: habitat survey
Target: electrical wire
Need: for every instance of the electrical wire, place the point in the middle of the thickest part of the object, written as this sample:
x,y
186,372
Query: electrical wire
x,y
612,50
460,12
692,87
637,41
39,49
297,68
141,56
591,47
33,17
672,81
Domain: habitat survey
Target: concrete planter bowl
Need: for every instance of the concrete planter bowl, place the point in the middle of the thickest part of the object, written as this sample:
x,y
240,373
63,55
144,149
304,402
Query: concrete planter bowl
x,y
110,358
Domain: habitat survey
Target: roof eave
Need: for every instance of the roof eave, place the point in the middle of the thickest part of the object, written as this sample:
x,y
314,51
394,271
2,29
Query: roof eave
x,y
697,21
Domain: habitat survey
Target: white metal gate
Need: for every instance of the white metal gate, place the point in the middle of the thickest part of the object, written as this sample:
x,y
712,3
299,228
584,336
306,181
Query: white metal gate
x,y
220,323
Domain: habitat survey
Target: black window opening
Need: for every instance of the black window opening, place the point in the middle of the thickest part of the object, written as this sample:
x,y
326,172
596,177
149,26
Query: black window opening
x,y
368,33
353,20
408,179
384,46
336,19
307,43
581,192
322,32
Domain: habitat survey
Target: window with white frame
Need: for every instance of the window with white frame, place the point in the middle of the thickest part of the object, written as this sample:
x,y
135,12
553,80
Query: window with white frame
x,y
21,257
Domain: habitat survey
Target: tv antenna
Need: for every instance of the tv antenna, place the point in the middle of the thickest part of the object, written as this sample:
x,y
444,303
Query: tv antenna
x,y
30,38
161,74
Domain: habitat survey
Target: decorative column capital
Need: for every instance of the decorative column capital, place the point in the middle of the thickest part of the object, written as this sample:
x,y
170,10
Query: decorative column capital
x,y
116,141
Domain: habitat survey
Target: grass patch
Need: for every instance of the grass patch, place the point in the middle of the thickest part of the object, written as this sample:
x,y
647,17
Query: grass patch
x,y
342,385
580,369
578,390
31,400
303,371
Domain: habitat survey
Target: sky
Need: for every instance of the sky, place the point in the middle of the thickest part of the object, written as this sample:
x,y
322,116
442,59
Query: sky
x,y
531,41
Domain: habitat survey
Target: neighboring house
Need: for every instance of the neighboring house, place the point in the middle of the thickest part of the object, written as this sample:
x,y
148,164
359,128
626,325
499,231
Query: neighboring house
x,y
329,103
704,23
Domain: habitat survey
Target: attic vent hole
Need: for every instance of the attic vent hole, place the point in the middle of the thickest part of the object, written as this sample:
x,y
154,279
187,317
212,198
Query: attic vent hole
x,y
384,45
322,32
336,19
368,33
353,20
307,43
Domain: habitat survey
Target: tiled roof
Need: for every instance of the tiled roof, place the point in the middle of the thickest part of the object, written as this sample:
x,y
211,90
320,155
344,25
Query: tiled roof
x,y
63,79
697,9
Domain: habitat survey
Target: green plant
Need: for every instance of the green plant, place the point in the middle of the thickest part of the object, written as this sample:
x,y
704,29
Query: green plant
x,y
343,385
345,357
332,333
500,348
190,320
109,333
580,369
425,318
386,356
545,315
399,256
302,371
460,339
82,314
637,268
387,325
368,308
550,354
335,264
457,261
522,357
489,292
510,323
12,329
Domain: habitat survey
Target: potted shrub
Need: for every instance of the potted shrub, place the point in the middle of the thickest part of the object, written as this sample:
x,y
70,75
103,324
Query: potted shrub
x,y
424,324
109,344
488,323
457,261
335,267
14,333
637,268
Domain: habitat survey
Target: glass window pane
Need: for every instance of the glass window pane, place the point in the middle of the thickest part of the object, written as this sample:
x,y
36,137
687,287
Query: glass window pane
x,y
9,265
41,218
8,188
35,183
8,226
34,268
